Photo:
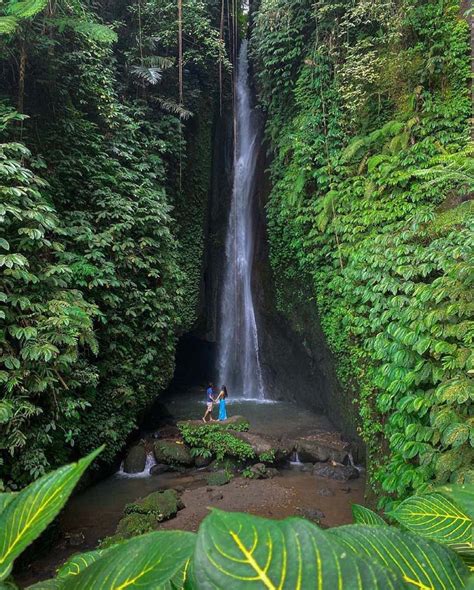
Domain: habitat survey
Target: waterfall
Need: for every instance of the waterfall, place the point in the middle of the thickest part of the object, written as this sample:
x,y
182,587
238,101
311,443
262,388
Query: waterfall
x,y
238,356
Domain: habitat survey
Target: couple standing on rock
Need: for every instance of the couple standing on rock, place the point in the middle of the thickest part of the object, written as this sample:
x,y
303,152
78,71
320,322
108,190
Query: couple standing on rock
x,y
211,400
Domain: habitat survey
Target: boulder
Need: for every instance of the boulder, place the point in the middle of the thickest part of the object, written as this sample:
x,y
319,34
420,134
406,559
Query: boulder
x,y
324,446
159,468
325,492
166,432
201,462
162,505
261,471
172,452
134,524
135,460
339,472
262,444
218,478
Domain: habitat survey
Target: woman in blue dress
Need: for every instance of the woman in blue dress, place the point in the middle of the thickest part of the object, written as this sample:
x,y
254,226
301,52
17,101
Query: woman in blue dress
x,y
221,399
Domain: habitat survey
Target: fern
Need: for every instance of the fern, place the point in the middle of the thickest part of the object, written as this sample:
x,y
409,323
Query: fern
x,y
26,8
90,29
171,106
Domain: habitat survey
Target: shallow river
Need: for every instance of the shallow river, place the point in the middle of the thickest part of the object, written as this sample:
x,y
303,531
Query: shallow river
x,y
94,513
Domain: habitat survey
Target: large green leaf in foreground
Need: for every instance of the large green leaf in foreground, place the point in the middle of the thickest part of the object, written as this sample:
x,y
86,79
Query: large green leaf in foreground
x,y
147,562
421,563
236,551
363,515
29,513
435,517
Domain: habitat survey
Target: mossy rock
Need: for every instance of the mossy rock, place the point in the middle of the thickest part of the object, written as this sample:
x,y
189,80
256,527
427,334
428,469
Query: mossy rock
x,y
160,505
135,460
172,453
219,478
135,524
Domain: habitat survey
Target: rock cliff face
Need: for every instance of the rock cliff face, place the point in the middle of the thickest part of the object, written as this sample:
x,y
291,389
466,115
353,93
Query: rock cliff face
x,y
296,361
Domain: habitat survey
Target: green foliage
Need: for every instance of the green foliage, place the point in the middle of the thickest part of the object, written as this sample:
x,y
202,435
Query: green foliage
x,y
238,549
435,517
25,516
217,439
219,478
46,321
100,273
267,457
363,515
367,117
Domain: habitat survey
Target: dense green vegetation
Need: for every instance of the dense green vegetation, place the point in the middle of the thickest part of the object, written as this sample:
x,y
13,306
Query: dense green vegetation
x,y
367,123
240,550
105,169
104,176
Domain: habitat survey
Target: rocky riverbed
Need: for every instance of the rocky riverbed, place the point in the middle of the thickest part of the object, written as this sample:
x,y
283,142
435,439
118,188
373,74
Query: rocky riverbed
x,y
258,473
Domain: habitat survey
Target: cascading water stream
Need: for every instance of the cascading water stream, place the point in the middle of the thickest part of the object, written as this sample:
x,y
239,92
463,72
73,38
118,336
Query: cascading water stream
x,y
238,362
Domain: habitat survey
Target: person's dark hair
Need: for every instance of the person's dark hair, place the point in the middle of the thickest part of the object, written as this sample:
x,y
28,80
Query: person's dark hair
x,y
224,389
210,384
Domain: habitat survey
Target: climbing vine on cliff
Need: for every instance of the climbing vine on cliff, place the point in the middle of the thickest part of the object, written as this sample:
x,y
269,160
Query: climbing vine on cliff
x,y
367,120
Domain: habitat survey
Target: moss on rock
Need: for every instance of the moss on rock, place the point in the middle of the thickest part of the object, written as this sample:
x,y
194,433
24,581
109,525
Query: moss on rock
x,y
172,453
219,478
161,505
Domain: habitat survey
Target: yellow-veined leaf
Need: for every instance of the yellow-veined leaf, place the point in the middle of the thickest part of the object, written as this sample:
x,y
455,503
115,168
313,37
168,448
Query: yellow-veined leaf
x,y
149,561
5,499
237,551
363,515
461,494
79,562
30,512
435,517
422,563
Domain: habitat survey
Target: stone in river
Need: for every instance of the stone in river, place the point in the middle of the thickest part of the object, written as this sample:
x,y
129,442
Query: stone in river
x,y
338,472
324,446
325,492
159,468
135,460
172,452
200,462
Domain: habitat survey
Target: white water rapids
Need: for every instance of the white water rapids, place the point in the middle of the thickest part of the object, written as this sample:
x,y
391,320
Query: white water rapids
x,y
238,348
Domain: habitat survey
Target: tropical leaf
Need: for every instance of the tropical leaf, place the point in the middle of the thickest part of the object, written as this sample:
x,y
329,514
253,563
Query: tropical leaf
x,y
148,561
30,512
236,550
173,107
420,562
5,499
363,515
435,517
90,29
461,494
26,8
79,562
53,584
8,24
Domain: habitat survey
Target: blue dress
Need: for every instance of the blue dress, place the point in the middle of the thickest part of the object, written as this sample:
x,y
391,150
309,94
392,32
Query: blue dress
x,y
222,410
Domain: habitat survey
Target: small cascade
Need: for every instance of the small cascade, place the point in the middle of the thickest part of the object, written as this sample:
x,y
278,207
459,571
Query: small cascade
x,y
149,463
359,468
295,459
